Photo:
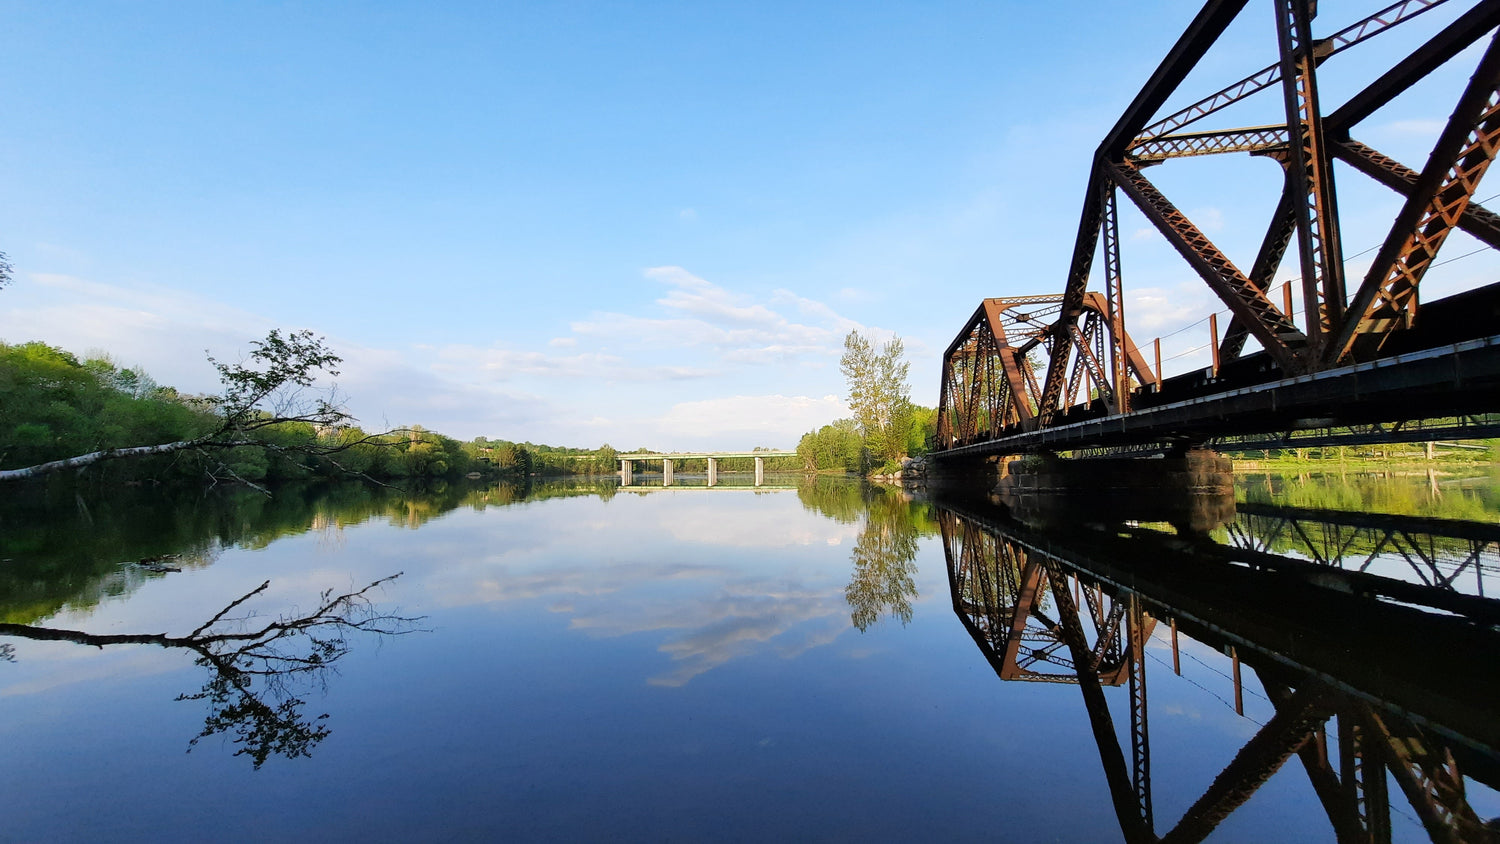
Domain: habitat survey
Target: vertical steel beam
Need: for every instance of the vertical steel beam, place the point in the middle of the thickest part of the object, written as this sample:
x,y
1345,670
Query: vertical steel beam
x,y
1362,769
1311,172
1114,297
1078,282
1120,791
1140,732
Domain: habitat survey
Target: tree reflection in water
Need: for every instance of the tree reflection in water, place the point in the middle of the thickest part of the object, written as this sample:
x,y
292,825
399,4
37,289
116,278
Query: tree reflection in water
x,y
884,568
883,580
1365,692
260,669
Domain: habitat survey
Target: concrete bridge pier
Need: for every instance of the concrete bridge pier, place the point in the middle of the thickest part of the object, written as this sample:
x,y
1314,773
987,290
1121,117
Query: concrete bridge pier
x,y
666,472
760,470
626,467
713,472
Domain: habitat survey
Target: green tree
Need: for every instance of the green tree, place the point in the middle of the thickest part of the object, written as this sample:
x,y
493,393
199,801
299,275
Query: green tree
x,y
261,397
837,446
879,394
608,459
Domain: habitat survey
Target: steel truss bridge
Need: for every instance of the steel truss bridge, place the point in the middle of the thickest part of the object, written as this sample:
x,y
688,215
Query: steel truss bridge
x,y
1364,364
1359,685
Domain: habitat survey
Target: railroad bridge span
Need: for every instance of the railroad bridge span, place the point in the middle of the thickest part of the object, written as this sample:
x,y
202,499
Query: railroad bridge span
x,y
1338,355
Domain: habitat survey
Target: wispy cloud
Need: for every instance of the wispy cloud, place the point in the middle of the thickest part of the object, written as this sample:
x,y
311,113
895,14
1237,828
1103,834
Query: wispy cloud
x,y
777,418
697,314
502,364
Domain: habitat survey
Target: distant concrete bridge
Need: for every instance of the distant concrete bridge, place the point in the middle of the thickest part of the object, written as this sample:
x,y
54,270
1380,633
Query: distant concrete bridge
x,y
628,461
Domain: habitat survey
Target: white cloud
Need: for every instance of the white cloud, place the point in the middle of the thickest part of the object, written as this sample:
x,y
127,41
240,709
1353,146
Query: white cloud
x,y
768,419
746,617
1150,311
700,522
710,302
701,333
163,331
1423,128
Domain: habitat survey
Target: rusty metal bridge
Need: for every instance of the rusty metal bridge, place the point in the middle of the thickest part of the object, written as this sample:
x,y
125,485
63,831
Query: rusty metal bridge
x,y
1366,673
1362,364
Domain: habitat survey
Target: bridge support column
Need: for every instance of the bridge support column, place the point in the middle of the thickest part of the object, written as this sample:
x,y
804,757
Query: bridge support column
x,y
626,467
760,470
666,472
713,472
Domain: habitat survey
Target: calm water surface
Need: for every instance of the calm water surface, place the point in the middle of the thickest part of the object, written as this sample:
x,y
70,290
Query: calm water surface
x,y
581,662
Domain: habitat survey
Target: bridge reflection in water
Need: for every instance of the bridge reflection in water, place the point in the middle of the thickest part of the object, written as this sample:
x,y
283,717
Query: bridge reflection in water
x,y
1378,676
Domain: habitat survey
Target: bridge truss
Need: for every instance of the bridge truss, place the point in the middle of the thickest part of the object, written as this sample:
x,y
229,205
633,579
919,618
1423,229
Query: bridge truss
x,y
1023,365
1044,609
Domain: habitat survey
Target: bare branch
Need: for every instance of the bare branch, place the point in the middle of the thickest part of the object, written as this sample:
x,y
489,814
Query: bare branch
x,y
262,719
236,602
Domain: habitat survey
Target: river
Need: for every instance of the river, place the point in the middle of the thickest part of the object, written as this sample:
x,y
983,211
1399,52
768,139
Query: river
x,y
815,660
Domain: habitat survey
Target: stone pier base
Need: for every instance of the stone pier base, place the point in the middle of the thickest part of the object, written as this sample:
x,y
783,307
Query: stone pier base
x,y
1193,491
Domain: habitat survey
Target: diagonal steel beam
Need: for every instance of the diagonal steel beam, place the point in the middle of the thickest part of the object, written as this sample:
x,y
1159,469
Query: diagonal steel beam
x,y
1426,775
1267,261
1266,77
1272,328
1341,808
1478,221
1262,756
1013,377
1452,40
1200,35
1463,152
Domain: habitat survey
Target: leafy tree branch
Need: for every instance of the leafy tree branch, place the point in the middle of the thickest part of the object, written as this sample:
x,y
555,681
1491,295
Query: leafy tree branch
x,y
273,387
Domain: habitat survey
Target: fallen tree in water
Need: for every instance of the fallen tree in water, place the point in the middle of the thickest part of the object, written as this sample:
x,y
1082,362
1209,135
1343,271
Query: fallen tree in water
x,y
258,667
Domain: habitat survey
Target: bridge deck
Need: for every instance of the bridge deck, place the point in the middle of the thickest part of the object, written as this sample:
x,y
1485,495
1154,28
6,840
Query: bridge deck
x,y
1452,381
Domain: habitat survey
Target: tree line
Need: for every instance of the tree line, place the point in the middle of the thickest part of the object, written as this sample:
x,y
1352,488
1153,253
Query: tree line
x,y
64,413
269,424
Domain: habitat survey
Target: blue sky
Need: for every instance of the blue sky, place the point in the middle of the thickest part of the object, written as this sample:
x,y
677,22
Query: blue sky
x,y
635,223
